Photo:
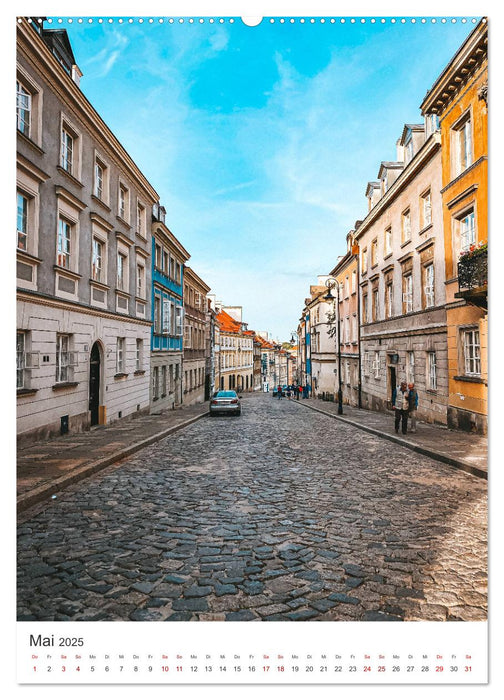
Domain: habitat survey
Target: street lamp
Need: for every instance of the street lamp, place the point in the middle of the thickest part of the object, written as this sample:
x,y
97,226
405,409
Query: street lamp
x,y
330,284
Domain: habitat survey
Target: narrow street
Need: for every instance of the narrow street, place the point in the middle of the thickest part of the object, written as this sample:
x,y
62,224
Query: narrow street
x,y
280,514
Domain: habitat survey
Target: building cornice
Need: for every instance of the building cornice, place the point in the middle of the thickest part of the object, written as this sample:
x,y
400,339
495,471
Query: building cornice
x,y
191,276
458,71
24,295
162,231
33,48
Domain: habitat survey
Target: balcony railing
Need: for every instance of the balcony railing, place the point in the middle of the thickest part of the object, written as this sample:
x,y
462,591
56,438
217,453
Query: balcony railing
x,y
473,276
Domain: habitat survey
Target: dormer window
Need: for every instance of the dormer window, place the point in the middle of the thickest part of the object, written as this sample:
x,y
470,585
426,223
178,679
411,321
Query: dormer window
x,y
409,150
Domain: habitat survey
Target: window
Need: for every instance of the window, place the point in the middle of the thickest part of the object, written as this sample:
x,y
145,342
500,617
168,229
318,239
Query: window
x,y
407,293
467,231
97,260
354,281
166,316
429,285
139,354
163,380
431,371
365,312
157,314
20,360
120,359
122,266
158,257
22,221
426,209
155,383
67,150
374,304
389,298
140,281
462,144
141,222
166,262
347,371
411,366
364,261
177,272
354,328
388,241
99,179
346,287
23,109
123,204
406,226
374,252
376,365
472,352
62,358
409,150
366,364
64,242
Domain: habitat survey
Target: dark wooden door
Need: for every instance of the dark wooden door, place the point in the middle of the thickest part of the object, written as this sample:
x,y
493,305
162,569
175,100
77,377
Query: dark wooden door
x,y
94,383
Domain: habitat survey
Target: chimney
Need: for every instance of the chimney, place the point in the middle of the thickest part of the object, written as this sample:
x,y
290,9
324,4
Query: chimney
x,y
399,151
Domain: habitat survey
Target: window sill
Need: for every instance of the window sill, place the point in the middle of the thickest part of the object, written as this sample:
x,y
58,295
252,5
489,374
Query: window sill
x,y
31,143
71,177
389,255
123,221
431,391
120,375
64,385
469,378
403,245
26,392
101,202
138,372
425,229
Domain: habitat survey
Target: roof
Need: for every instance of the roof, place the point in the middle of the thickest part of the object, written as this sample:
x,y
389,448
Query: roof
x,y
227,324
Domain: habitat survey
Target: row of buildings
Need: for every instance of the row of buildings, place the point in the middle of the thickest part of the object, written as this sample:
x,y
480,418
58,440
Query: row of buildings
x,y
410,291
112,322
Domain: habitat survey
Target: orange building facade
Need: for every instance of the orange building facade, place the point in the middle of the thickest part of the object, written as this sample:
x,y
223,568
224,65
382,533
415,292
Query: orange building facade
x,y
459,100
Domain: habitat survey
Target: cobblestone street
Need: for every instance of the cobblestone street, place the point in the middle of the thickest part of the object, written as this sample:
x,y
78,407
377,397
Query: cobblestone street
x,y
280,514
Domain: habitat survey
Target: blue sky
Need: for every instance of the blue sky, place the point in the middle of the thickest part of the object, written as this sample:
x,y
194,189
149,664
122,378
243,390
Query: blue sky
x,y
261,140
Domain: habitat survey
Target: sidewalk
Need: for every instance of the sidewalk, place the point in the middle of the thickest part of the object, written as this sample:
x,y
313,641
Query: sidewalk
x,y
46,467
466,451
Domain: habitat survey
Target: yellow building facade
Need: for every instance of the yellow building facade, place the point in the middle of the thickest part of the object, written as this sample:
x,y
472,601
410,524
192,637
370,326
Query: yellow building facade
x,y
458,99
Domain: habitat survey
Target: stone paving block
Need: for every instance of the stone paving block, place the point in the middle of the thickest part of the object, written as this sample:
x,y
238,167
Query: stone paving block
x,y
318,511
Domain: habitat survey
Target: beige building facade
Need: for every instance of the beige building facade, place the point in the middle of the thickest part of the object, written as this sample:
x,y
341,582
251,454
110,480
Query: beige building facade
x,y
402,278
83,252
196,320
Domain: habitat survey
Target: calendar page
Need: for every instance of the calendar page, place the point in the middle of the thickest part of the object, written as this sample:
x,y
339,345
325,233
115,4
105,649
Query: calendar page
x,y
252,348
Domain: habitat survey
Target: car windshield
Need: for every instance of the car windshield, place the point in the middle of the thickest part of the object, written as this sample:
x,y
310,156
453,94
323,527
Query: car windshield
x,y
225,394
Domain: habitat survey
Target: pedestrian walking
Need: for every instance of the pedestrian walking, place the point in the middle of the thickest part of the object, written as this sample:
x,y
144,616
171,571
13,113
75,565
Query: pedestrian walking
x,y
279,391
299,391
289,391
413,405
400,404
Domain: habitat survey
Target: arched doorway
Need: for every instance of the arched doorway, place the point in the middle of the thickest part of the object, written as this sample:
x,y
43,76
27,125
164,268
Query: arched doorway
x,y
94,383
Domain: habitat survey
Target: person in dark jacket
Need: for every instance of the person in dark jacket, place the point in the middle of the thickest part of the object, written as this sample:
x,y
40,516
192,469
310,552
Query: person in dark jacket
x,y
400,405
279,391
413,405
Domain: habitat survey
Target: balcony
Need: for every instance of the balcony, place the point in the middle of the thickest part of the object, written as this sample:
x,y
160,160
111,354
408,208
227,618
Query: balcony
x,y
473,277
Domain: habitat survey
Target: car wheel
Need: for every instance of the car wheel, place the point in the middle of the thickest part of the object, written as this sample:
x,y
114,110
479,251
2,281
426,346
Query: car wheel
x,y
238,413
